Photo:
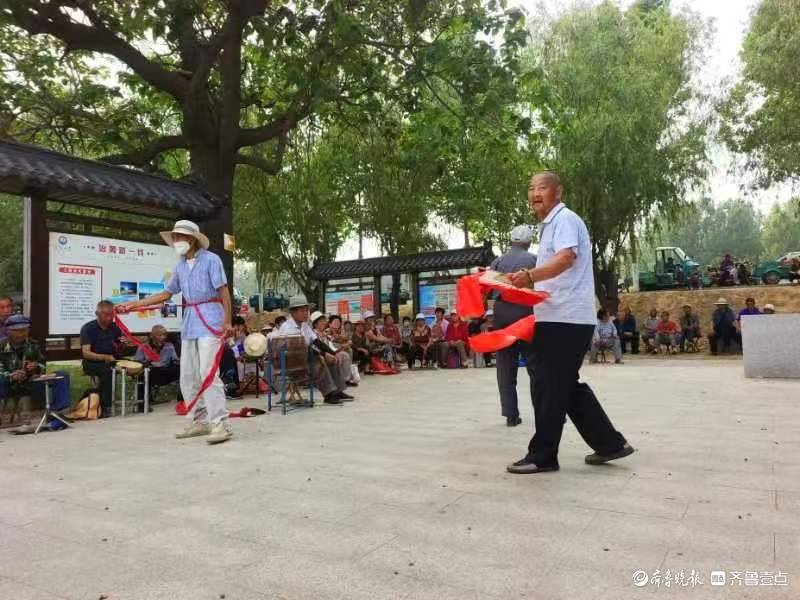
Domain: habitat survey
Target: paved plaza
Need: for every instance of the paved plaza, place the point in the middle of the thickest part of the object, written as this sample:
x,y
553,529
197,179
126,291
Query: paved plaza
x,y
404,494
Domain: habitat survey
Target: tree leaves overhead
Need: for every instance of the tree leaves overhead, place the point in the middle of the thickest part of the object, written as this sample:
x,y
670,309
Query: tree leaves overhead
x,y
620,121
762,114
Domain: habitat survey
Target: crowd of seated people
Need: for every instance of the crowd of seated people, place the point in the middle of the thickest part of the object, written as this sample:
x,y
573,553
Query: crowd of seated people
x,y
661,334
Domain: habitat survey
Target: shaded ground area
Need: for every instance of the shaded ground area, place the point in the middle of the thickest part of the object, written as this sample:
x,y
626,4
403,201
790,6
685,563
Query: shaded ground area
x,y
404,494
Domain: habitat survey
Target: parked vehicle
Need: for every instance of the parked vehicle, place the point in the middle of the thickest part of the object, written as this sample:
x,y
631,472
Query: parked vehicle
x,y
783,267
673,269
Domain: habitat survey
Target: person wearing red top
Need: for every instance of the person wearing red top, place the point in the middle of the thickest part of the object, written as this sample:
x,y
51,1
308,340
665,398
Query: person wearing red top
x,y
667,333
457,337
392,332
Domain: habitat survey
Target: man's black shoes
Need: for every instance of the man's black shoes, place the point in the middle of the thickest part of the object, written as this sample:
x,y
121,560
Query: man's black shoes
x,y
599,459
513,421
528,467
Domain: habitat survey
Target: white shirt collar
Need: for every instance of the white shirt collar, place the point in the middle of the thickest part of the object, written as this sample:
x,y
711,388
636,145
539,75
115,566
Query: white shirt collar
x,y
553,212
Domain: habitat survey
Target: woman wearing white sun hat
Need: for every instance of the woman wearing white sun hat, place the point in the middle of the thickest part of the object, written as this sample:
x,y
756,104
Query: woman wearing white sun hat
x,y
200,277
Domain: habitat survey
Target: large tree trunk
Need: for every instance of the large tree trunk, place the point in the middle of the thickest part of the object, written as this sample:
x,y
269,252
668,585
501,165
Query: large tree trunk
x,y
605,285
217,172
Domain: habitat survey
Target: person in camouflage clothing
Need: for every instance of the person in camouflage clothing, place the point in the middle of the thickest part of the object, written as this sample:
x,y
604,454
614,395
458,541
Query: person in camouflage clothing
x,y
21,360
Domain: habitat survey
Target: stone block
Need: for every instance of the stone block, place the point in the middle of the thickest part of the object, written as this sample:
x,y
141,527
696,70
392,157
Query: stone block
x,y
771,345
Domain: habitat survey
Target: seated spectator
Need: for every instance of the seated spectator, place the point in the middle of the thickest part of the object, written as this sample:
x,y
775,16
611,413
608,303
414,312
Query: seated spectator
x,y
749,309
769,309
422,348
6,310
232,362
650,331
342,362
724,327
348,329
21,360
438,331
338,336
405,336
667,333
690,327
360,346
457,338
378,344
605,338
393,333
327,379
101,344
626,330
166,369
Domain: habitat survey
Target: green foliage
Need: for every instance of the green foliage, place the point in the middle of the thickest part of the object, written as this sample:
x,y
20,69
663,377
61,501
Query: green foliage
x,y
11,247
762,114
619,122
706,232
781,230
287,223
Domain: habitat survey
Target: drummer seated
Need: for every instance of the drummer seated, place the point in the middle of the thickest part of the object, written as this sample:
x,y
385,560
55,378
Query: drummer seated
x,y
101,344
165,370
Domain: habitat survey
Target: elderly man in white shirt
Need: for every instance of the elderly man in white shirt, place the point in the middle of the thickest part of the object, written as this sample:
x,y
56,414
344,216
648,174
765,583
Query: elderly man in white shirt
x,y
565,323
297,324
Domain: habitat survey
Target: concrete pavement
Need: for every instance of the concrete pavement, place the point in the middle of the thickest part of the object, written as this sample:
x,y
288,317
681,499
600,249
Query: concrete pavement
x,y
404,494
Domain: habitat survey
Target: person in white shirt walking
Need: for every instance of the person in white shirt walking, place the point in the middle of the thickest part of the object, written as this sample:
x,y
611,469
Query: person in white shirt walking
x,y
565,324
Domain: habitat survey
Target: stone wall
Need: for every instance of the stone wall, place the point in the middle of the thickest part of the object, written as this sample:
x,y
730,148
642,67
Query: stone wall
x,y
785,298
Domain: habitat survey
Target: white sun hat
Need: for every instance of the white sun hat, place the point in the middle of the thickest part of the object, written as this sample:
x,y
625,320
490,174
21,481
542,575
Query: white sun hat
x,y
186,228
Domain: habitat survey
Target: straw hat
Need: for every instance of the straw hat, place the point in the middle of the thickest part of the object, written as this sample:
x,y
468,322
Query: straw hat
x,y
255,345
368,314
316,316
769,307
721,301
419,317
186,228
298,301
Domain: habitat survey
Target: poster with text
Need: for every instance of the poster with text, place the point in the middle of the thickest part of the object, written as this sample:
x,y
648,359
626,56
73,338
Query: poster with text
x,y
432,297
85,270
348,305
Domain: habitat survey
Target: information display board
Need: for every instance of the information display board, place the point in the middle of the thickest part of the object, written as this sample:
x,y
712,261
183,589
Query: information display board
x,y
85,270
349,305
442,295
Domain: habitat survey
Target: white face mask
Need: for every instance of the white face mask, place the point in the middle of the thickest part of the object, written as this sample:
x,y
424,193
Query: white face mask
x,y
181,248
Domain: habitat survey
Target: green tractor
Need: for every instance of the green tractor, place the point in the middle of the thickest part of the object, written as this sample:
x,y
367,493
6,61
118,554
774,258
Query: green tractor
x,y
673,269
783,267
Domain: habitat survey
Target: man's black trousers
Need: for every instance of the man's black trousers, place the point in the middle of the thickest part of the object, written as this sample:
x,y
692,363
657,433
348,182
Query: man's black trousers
x,y
558,351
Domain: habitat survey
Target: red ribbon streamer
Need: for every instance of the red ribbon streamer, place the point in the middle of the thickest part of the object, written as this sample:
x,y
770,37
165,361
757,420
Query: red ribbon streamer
x,y
212,373
469,305
151,354
497,339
